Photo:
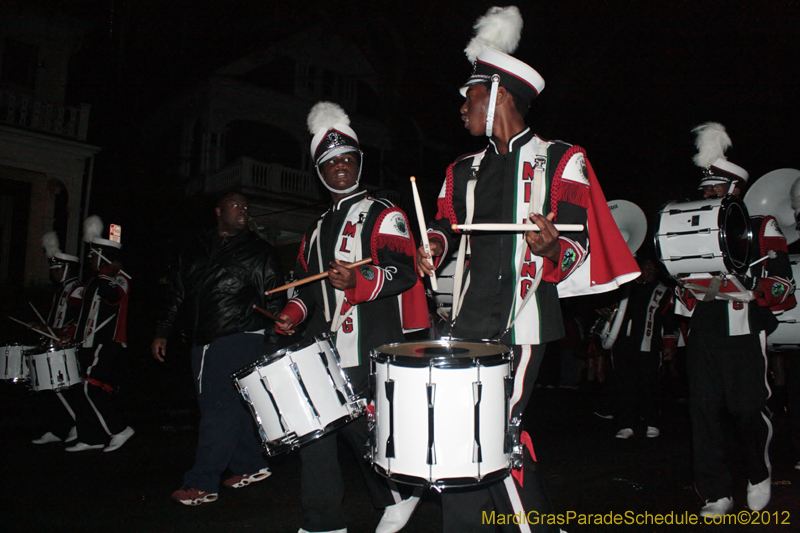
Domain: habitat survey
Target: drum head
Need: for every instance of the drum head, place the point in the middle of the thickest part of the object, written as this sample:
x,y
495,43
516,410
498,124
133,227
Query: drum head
x,y
735,234
442,353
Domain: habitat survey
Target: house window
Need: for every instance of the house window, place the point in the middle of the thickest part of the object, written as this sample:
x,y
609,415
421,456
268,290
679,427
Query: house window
x,y
18,66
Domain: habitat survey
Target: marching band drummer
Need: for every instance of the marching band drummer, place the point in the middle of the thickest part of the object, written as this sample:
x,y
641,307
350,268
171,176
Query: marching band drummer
x,y
102,332
361,306
726,359
511,292
221,274
62,320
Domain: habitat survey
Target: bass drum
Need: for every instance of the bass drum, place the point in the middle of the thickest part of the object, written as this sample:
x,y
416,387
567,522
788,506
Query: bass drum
x,y
710,236
787,335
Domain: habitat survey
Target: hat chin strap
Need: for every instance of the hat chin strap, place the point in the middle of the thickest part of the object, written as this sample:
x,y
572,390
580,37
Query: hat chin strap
x,y
340,191
492,105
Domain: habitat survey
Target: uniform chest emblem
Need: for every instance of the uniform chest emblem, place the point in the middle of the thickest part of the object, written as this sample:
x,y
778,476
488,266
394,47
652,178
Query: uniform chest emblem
x,y
778,289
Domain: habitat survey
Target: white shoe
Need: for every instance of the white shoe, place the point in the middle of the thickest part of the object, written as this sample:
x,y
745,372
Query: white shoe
x,y
83,447
73,435
395,517
119,439
720,507
652,432
47,438
301,530
625,433
797,466
758,495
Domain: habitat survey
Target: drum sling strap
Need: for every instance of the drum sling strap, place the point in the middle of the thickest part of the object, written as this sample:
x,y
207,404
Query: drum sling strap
x,y
539,169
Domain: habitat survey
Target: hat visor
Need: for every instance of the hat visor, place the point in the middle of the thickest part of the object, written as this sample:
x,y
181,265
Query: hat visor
x,y
336,151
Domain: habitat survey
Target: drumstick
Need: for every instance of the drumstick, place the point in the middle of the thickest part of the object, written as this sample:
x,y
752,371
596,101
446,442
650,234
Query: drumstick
x,y
107,260
514,227
423,230
316,277
40,332
41,319
266,313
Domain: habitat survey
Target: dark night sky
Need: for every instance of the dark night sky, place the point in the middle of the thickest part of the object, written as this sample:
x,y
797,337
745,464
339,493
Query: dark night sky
x,y
627,80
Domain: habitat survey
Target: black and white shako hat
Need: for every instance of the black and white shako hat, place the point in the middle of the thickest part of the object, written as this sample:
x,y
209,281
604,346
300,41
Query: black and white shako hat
x,y
497,35
712,141
332,136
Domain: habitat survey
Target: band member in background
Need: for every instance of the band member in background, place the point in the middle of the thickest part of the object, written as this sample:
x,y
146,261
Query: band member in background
x,y
512,278
726,359
220,276
62,320
361,306
102,331
649,330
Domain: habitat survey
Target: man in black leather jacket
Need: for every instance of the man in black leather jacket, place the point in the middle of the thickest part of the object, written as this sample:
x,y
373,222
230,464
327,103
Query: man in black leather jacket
x,y
220,277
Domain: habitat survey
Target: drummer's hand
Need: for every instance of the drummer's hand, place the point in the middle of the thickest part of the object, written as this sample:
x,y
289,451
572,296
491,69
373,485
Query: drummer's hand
x,y
424,261
544,242
159,348
284,325
341,278
115,266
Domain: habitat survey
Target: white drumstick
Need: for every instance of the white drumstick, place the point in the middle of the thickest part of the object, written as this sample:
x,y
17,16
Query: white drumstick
x,y
40,332
423,230
514,227
106,259
41,319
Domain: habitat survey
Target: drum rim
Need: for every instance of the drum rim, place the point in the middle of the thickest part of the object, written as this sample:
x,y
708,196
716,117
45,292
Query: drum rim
x,y
444,483
266,359
51,349
443,361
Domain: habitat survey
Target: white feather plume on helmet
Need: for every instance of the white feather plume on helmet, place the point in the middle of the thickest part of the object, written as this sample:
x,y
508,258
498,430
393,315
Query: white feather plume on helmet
x,y
92,228
50,244
500,28
712,141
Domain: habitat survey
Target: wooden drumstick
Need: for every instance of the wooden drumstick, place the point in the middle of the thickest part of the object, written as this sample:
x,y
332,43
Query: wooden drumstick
x,y
41,319
266,313
107,260
423,229
316,277
40,332
514,227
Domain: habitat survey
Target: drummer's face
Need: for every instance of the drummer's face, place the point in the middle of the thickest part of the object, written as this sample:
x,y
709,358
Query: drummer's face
x,y
718,189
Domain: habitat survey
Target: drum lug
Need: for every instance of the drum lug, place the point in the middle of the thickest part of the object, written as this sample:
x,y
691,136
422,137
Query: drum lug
x,y
513,444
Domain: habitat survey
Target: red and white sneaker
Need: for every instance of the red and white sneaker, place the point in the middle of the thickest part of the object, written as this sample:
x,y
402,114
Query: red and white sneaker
x,y
237,482
193,496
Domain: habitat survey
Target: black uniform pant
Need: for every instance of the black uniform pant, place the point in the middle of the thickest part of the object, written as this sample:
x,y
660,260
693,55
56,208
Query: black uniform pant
x,y
57,412
470,510
637,390
96,413
321,481
727,374
227,436
793,398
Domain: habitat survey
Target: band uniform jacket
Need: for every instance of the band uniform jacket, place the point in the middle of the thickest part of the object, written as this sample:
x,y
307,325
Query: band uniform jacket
x,y
501,267
388,296
104,311
66,307
772,278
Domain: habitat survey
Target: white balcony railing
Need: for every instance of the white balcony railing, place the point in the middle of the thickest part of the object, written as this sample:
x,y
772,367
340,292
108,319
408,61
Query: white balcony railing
x,y
19,110
269,177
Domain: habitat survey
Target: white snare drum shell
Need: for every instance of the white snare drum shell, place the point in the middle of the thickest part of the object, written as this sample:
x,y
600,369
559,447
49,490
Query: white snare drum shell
x,y
13,367
455,392
53,369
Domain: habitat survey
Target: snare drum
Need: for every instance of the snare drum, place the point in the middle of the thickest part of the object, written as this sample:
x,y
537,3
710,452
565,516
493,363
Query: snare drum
x,y
787,335
298,394
53,368
12,363
441,412
704,236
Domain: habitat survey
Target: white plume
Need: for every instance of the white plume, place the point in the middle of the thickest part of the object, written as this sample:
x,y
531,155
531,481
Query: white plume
x,y
796,195
711,142
92,227
50,244
324,115
500,28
